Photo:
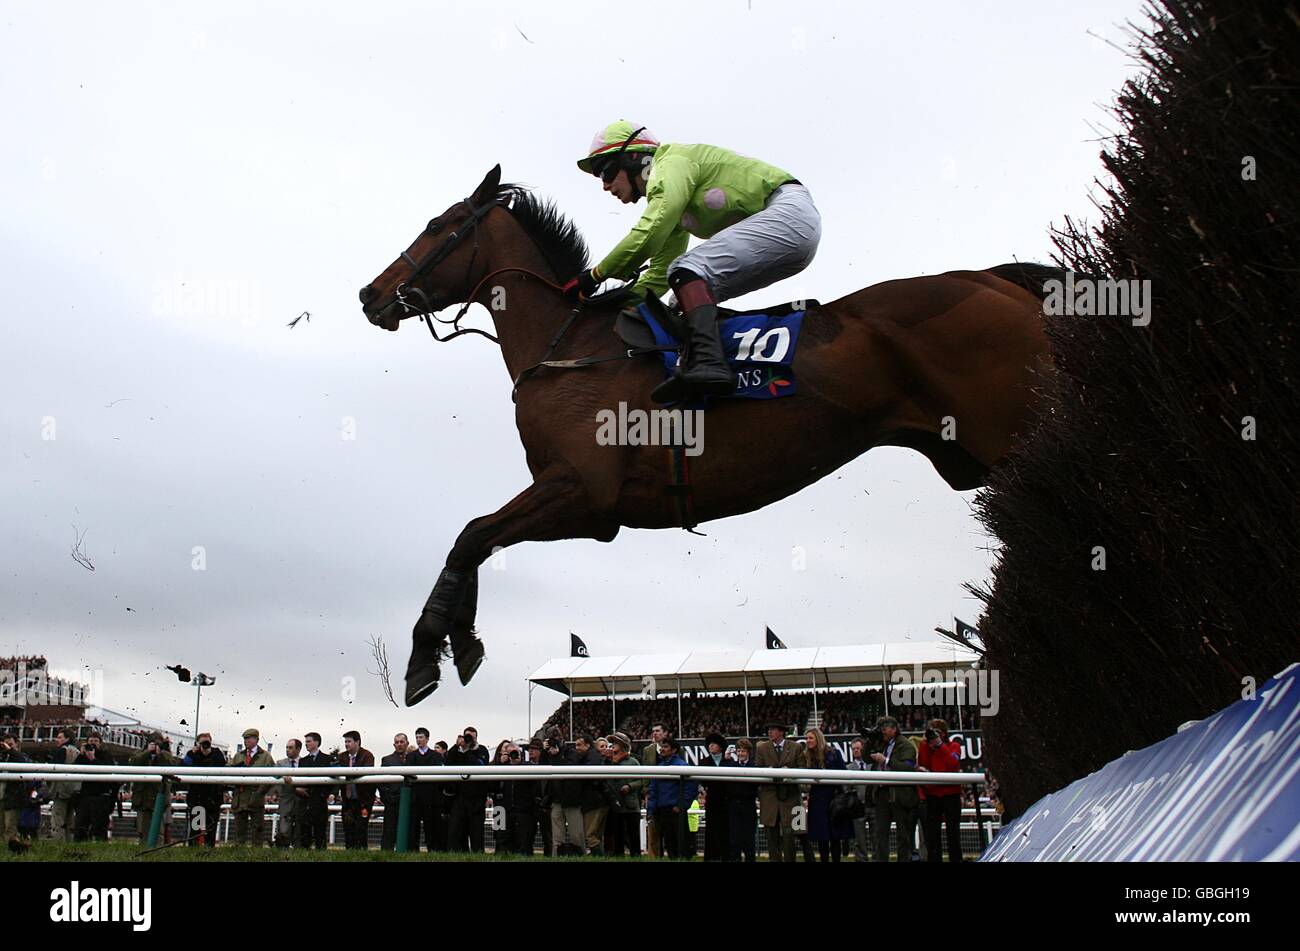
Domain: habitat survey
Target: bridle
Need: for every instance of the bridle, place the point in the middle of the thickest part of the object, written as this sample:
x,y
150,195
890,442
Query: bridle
x,y
468,228
426,313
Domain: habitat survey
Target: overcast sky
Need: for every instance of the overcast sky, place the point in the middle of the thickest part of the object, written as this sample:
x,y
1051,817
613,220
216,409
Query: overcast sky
x,y
176,184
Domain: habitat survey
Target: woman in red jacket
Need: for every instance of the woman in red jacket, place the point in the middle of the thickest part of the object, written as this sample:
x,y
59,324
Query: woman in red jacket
x,y
938,754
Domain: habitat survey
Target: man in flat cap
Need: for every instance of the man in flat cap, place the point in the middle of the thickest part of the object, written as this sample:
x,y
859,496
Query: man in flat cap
x,y
248,802
625,798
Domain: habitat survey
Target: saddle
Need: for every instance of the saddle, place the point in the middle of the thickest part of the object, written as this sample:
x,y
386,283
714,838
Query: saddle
x,y
759,344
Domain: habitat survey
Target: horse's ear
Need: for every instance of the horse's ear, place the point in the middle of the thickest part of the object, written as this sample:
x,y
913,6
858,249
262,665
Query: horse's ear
x,y
487,191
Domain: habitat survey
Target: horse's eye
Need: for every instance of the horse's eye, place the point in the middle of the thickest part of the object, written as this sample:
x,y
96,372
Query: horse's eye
x,y
434,226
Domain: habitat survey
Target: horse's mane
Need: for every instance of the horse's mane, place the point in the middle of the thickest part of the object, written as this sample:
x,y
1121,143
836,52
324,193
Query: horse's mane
x,y
558,238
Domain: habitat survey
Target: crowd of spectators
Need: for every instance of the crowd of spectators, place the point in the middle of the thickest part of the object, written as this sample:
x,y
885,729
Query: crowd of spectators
x,y
576,816
842,713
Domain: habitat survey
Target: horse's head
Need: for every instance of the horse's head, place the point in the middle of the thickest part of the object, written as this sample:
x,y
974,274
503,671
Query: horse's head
x,y
434,272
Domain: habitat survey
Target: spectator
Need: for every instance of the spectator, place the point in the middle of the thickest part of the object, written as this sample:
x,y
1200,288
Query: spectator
x,y
63,813
667,800
426,798
938,754
289,805
248,801
144,796
650,757
358,798
203,800
567,833
542,811
390,794
894,804
829,833
518,800
29,818
314,819
497,812
95,804
591,800
717,835
862,825
465,824
625,799
13,794
742,808
777,801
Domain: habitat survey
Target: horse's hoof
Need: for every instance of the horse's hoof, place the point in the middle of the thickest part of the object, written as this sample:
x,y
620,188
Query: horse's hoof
x,y
468,660
420,686
428,649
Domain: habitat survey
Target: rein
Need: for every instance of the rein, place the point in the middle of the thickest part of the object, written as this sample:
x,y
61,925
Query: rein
x,y
431,260
426,313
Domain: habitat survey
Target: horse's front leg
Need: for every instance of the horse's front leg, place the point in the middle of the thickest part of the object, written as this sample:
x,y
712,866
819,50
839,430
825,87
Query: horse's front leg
x,y
545,511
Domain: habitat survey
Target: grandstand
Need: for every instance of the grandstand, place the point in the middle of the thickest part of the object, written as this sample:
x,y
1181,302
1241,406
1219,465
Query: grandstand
x,y
35,704
840,690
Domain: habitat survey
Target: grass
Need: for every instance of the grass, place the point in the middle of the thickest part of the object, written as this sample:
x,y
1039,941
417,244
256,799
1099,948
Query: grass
x,y
50,851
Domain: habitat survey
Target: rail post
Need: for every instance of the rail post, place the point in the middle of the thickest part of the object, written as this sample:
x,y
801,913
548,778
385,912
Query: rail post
x,y
404,815
161,804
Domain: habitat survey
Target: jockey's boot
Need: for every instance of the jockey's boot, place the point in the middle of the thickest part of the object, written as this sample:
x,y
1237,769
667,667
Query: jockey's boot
x,y
703,371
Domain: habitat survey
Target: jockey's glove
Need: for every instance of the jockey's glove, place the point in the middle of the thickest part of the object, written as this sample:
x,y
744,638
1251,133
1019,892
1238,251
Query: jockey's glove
x,y
583,286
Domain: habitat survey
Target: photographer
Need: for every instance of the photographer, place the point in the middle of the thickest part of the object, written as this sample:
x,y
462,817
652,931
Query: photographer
x,y
465,823
894,804
532,756
517,798
144,796
203,800
95,804
938,754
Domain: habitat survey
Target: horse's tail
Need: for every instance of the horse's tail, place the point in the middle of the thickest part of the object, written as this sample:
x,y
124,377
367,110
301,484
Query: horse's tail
x,y
1030,276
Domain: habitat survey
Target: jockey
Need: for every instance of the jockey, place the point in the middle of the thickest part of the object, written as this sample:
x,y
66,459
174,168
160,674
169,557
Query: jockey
x,y
759,222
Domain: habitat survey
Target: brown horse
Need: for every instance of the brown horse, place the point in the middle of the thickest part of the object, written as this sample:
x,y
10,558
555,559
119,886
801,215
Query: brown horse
x,y
944,365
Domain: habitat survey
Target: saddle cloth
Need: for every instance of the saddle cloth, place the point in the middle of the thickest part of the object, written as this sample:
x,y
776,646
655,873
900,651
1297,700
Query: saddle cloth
x,y
760,347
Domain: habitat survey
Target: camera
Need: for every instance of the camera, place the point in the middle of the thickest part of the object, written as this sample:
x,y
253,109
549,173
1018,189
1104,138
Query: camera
x,y
931,735
873,741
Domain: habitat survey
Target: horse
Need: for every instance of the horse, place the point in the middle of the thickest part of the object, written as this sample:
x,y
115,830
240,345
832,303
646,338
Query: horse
x,y
945,364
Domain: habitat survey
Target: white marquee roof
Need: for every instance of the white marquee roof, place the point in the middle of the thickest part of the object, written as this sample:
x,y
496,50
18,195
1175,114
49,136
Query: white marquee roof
x,y
835,667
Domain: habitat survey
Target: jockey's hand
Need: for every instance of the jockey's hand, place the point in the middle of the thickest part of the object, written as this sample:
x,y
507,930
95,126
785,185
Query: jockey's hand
x,y
582,286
